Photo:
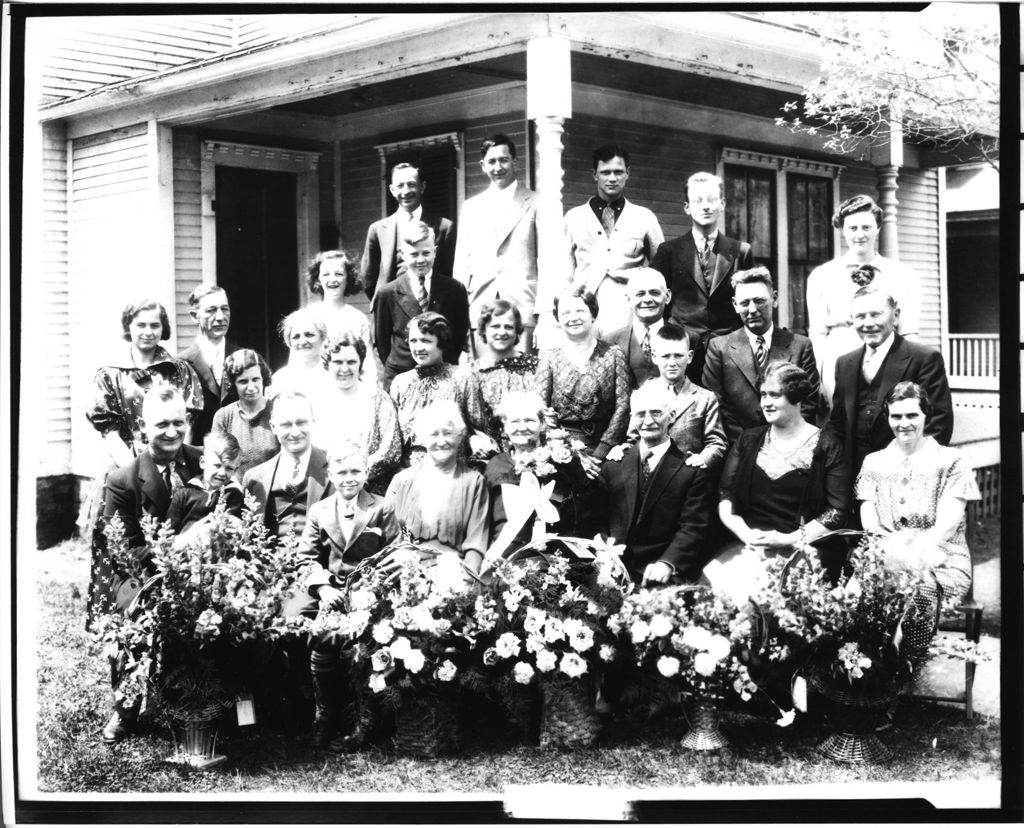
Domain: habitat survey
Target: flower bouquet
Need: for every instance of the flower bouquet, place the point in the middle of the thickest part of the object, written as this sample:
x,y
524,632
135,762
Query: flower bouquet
x,y
690,641
194,636
557,464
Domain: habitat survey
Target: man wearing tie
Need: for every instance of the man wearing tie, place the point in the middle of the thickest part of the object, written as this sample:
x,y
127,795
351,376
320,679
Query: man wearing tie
x,y
697,267
865,376
656,503
736,361
422,288
208,305
382,260
649,297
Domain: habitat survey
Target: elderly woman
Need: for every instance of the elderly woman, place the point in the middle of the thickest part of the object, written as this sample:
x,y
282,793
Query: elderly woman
x,y
522,414
442,502
914,494
585,383
304,332
784,484
432,380
501,369
332,275
248,419
831,286
359,410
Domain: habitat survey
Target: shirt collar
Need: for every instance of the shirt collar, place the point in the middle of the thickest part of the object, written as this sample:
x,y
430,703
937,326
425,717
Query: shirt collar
x,y
767,336
405,216
658,452
508,194
698,238
212,353
882,350
286,458
599,203
639,328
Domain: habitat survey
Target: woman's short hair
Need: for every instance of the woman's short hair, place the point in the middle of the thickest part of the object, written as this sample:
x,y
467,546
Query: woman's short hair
x,y
302,316
437,414
589,299
342,340
352,283
240,361
434,324
519,401
223,444
499,307
134,309
856,204
343,447
909,391
792,379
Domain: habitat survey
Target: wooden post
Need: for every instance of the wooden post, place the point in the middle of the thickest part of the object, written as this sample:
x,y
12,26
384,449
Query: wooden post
x,y
888,241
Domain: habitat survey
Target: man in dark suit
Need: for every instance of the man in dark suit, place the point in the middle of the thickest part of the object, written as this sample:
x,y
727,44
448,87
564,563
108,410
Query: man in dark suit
x,y
865,376
208,305
290,482
649,297
422,288
142,487
382,260
656,504
697,267
733,368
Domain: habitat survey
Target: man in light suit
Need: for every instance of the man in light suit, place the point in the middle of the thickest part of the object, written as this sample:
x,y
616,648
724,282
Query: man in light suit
x,y
608,237
732,368
866,375
657,504
422,288
649,297
208,305
382,260
496,254
289,483
697,267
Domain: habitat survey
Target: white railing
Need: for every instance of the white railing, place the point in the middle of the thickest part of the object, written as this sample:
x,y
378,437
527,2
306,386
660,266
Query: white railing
x,y
972,361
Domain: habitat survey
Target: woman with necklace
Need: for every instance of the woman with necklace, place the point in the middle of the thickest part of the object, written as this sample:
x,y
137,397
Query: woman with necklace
x,y
248,419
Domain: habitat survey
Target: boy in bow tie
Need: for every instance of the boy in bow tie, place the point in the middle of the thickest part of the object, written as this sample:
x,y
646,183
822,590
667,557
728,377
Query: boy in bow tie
x,y
193,503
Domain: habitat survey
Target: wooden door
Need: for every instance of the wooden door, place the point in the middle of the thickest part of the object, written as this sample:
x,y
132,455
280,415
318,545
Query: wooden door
x,y
809,205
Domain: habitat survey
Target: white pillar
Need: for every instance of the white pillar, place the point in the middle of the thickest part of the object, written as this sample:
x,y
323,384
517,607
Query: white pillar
x,y
548,104
888,240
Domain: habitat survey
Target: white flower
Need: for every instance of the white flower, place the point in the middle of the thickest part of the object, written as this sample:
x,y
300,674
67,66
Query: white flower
x,y
786,719
705,663
402,619
377,683
534,621
535,643
400,647
668,666
696,638
553,630
546,661
421,618
572,626
522,672
582,640
719,647
640,632
383,632
381,660
362,599
507,645
572,665
607,652
661,626
414,660
442,626
446,671
513,598
853,587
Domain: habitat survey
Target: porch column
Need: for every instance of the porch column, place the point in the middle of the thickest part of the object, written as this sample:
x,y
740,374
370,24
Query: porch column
x,y
888,243
548,104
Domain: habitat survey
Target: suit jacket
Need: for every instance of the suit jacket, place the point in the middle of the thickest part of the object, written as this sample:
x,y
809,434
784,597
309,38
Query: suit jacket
x,y
670,524
329,557
695,308
214,396
695,428
730,371
592,254
395,308
259,479
139,489
906,360
379,264
496,255
641,366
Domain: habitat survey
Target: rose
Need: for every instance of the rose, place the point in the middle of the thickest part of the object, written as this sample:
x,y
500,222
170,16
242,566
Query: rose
x,y
583,640
421,618
400,647
572,665
705,664
513,598
553,630
719,647
377,683
362,599
696,638
508,645
414,660
490,657
522,672
442,626
535,643
446,671
661,626
382,660
383,632
546,661
668,666
607,652
640,632
534,621
572,626
402,620
560,453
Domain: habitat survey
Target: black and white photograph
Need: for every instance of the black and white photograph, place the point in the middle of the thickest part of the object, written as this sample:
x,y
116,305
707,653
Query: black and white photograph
x,y
471,413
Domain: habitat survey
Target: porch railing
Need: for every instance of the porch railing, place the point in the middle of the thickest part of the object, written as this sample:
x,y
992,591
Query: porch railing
x,y
972,361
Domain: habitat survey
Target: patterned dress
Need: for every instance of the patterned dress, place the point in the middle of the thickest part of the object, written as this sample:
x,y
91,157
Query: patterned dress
x,y
592,404
371,419
349,319
514,373
906,490
253,433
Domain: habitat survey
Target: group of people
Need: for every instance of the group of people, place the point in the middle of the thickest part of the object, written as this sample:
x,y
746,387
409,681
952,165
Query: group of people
x,y
677,418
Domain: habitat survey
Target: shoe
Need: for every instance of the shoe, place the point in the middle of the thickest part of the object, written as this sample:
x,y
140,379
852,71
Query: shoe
x,y
323,730
116,730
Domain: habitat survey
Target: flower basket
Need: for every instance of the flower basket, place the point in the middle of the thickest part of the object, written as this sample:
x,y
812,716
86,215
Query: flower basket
x,y
569,720
856,714
195,744
704,733
427,724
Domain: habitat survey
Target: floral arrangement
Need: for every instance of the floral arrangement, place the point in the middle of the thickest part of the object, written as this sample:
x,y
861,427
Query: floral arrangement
x,y
544,461
208,603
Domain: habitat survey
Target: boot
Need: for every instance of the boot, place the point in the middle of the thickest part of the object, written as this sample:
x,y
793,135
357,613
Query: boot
x,y
359,722
328,715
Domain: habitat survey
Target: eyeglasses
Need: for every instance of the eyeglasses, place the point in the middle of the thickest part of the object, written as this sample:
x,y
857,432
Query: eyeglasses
x,y
653,414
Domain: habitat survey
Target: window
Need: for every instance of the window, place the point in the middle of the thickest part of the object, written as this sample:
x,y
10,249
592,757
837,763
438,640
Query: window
x,y
439,158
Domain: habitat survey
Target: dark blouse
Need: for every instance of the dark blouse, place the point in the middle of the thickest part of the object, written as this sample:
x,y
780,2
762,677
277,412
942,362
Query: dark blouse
x,y
514,373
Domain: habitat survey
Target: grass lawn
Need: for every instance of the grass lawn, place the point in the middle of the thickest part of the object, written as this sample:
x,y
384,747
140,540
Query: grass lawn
x,y
932,743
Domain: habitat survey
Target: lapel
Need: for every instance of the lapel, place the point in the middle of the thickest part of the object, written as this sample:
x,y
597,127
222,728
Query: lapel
x,y
203,368
663,474
893,369
689,261
687,402
364,511
438,292
389,234
520,204
722,261
317,482
406,299
849,384
630,483
739,349
782,342
152,485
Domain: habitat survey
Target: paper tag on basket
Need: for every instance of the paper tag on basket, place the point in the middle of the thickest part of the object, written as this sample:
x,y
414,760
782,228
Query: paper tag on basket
x,y
800,693
245,710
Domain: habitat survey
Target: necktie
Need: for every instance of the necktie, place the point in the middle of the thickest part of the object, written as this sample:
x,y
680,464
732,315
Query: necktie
x,y
292,487
171,479
645,471
870,363
421,293
608,219
705,261
760,353
645,345
862,274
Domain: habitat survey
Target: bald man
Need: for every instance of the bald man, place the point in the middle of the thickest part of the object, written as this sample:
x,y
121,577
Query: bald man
x,y
648,297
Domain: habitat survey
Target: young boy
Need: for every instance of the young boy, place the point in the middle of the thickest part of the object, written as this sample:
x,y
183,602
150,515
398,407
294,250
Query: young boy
x,y
196,500
340,531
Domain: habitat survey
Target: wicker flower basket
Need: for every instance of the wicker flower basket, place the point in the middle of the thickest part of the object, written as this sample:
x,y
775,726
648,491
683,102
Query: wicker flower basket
x,y
569,720
855,715
704,733
195,742
427,725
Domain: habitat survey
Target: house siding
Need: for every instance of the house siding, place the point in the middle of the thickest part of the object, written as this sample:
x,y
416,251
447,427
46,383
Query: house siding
x,y
188,234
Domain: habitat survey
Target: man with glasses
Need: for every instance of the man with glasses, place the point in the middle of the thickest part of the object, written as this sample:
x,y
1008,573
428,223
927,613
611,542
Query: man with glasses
x,y
735,362
697,267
